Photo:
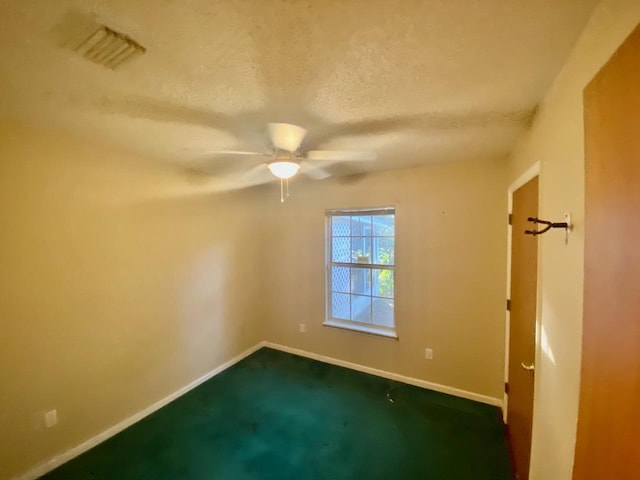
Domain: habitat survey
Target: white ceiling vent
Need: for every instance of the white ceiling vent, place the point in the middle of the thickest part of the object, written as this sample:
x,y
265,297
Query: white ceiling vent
x,y
109,48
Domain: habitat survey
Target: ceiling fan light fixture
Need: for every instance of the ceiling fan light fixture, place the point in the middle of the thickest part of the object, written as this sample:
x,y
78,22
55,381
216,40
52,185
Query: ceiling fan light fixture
x,y
284,169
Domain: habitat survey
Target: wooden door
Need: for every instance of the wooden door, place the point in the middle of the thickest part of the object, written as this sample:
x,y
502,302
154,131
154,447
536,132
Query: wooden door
x,y
608,441
522,326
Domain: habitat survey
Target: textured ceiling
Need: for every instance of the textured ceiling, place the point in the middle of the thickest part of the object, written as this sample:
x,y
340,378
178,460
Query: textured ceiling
x,y
415,81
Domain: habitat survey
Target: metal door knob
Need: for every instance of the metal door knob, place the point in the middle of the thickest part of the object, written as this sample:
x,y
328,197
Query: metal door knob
x,y
528,368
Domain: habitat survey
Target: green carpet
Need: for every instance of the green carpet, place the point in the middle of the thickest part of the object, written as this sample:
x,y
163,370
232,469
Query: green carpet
x,y
279,416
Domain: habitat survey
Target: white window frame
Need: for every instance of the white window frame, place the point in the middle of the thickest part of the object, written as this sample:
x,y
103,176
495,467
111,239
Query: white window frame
x,y
350,324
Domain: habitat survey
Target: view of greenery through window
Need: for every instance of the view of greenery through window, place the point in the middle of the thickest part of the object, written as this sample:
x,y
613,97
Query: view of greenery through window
x,y
362,267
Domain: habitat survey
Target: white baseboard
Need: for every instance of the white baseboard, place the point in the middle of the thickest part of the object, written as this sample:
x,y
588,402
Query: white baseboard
x,y
390,375
64,457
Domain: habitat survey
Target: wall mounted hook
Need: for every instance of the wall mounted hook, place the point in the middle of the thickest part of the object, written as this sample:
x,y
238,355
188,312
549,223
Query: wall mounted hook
x,y
566,225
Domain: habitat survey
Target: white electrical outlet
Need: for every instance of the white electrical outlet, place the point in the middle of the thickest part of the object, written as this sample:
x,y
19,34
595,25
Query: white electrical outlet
x,y
428,353
303,328
50,418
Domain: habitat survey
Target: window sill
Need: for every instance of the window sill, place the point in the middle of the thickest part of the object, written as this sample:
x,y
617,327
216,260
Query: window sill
x,y
372,330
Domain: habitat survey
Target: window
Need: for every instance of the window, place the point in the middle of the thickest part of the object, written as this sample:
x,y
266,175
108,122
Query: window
x,y
360,270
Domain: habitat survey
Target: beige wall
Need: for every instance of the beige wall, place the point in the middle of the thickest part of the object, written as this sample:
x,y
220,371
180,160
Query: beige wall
x,y
556,140
450,275
115,291
112,293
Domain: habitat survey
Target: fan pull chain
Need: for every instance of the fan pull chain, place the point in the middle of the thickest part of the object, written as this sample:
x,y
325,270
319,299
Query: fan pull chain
x,y
281,190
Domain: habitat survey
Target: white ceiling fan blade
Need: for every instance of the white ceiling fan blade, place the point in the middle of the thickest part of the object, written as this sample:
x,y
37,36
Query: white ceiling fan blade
x,y
285,136
234,152
257,175
341,156
314,171
317,174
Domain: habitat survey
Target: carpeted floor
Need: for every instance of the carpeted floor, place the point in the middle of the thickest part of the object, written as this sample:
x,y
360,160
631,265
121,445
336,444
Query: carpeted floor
x,y
279,416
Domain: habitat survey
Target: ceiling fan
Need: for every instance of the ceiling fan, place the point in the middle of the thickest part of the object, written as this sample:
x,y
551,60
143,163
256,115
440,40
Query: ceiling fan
x,y
286,160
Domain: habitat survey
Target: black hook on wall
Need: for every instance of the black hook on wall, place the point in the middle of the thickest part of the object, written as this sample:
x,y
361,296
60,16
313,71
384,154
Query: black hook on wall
x,y
566,225
549,226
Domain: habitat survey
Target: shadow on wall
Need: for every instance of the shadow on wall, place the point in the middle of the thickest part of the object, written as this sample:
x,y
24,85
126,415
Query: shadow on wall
x,y
101,293
220,285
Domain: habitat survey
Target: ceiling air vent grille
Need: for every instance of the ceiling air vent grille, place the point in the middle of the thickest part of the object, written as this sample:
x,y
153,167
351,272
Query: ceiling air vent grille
x,y
109,48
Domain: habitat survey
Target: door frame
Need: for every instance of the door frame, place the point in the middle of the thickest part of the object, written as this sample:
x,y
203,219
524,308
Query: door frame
x,y
529,174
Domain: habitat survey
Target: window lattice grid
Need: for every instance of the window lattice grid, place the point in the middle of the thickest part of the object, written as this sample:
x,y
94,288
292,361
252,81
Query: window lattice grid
x,y
361,262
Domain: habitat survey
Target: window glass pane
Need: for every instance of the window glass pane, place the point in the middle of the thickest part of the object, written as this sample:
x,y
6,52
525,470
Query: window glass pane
x,y
340,279
340,306
382,283
361,281
384,225
361,225
340,249
360,293
360,308
340,226
382,312
361,250
384,250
